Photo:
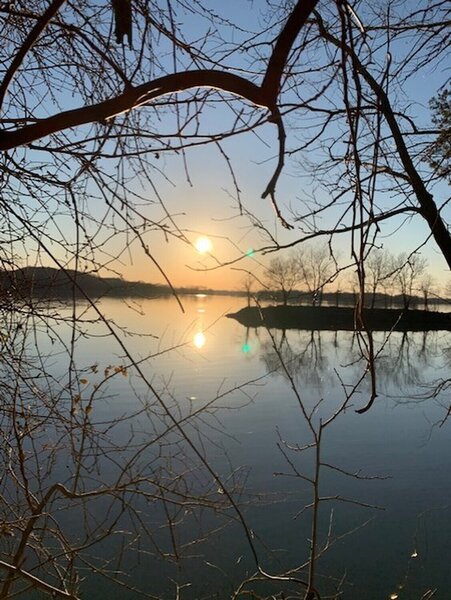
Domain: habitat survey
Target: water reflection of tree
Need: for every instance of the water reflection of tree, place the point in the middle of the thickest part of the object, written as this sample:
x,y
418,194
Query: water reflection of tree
x,y
66,462
302,355
404,360
86,485
307,462
434,350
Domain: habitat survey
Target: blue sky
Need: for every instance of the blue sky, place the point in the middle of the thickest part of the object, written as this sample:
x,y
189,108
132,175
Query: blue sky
x,y
206,203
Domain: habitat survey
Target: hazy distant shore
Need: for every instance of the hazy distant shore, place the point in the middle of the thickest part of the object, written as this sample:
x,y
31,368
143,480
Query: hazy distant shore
x,y
50,283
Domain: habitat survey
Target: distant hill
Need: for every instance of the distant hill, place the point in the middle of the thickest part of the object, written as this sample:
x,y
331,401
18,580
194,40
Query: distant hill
x,y
45,282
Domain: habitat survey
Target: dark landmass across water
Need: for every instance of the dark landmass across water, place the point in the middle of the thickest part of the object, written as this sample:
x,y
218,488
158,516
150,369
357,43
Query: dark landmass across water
x,y
341,318
51,283
46,282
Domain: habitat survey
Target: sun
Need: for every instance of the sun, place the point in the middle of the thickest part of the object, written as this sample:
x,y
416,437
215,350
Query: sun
x,y
203,245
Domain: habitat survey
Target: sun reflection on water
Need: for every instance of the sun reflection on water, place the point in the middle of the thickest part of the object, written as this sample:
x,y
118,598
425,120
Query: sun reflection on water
x,y
199,340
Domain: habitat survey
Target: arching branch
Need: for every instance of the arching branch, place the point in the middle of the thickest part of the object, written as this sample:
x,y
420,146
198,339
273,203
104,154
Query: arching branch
x,y
264,95
132,98
279,57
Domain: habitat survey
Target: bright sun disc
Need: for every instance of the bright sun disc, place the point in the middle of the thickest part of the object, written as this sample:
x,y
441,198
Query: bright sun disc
x,y
203,245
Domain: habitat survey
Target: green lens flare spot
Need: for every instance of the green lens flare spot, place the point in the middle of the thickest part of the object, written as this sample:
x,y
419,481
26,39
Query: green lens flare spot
x,y
246,348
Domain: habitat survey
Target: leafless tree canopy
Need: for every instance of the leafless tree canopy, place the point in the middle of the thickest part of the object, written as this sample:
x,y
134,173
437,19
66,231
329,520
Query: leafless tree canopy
x,y
92,95
79,106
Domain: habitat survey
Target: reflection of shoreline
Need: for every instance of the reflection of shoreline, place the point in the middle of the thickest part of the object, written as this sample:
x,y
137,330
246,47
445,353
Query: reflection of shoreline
x,y
406,363
340,318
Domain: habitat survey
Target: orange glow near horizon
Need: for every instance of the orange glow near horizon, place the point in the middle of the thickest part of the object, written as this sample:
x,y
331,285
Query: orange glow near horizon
x,y
180,275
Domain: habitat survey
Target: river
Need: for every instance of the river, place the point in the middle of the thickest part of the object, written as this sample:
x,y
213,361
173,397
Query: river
x,y
241,398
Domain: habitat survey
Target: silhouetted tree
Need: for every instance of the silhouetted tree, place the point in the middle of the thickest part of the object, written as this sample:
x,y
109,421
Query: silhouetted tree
x,y
439,153
317,268
248,283
427,284
378,267
407,273
284,275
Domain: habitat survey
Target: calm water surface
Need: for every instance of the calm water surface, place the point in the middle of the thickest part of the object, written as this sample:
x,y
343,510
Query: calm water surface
x,y
401,545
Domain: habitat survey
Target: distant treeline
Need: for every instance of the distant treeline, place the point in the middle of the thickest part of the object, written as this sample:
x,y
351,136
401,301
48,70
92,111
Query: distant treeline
x,y
47,282
342,298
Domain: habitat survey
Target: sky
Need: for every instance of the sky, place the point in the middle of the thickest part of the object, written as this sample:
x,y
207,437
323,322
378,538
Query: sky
x,y
204,203
209,209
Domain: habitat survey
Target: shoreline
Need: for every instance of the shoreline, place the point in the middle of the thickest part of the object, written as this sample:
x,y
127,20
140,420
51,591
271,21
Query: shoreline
x,y
341,318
